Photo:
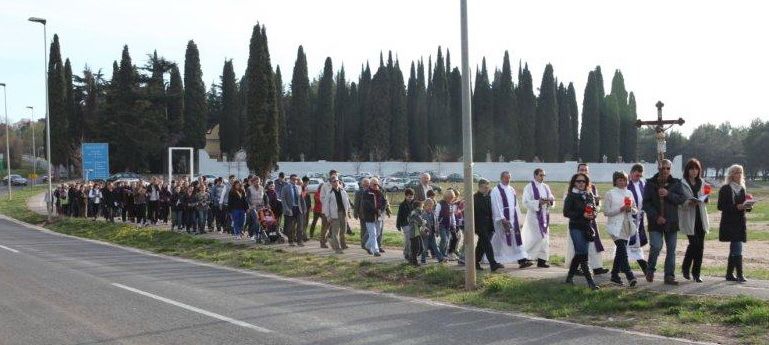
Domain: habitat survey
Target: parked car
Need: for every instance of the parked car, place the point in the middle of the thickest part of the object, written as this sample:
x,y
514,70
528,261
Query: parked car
x,y
315,175
126,177
16,180
413,183
314,184
350,184
455,178
209,178
394,184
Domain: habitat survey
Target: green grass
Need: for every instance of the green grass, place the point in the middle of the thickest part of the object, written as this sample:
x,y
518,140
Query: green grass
x,y
694,317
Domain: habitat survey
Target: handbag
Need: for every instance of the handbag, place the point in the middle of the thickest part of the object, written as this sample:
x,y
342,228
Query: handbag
x,y
628,228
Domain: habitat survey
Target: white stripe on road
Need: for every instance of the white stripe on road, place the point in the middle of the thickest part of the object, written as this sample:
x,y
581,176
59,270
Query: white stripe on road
x,y
9,249
197,310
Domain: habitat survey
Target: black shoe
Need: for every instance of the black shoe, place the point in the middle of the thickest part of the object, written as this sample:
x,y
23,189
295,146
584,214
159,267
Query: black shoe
x,y
697,279
478,267
524,263
381,250
572,269
617,280
738,266
590,283
730,269
599,271
542,263
685,273
495,266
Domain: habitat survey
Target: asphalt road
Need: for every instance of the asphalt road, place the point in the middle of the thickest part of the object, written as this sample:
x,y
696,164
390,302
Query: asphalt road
x,y
60,290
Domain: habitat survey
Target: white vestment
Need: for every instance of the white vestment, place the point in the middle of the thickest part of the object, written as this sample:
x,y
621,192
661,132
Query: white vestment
x,y
536,242
635,251
503,252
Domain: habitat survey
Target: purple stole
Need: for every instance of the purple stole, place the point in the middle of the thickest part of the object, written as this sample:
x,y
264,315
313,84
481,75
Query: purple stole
x,y
540,214
641,229
597,240
506,213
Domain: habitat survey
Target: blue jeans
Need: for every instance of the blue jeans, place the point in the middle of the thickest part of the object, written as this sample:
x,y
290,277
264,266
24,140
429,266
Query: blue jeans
x,y
579,240
238,216
428,243
735,248
445,235
655,241
202,215
371,243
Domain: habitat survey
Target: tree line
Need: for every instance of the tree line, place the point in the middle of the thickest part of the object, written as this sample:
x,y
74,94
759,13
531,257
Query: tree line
x,y
141,110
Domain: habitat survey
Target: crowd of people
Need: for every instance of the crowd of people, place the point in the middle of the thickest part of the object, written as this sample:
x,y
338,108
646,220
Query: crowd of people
x,y
637,211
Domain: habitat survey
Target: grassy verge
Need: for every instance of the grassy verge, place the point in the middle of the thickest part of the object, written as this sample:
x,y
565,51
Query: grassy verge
x,y
729,320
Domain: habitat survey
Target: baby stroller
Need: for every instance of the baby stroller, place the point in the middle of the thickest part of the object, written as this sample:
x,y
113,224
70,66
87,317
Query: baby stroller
x,y
269,231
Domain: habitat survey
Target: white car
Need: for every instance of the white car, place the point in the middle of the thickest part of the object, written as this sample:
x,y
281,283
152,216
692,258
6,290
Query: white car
x,y
394,184
314,184
350,184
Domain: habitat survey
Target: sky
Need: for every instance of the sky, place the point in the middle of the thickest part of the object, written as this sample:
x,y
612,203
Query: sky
x,y
706,60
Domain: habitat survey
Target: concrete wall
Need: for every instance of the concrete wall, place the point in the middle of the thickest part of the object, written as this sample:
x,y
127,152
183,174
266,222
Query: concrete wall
x,y
521,171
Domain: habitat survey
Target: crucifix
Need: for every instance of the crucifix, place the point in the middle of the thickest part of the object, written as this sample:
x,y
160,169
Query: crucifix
x,y
660,129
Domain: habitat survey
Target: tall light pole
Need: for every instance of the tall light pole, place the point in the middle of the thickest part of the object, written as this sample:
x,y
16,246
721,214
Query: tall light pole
x,y
47,112
467,154
7,140
34,150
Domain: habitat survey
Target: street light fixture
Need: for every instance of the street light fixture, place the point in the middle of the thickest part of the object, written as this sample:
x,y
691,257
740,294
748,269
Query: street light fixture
x,y
7,140
34,150
47,117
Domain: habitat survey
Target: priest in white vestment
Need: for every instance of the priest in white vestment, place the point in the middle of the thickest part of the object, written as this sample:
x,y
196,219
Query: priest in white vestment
x,y
507,240
538,199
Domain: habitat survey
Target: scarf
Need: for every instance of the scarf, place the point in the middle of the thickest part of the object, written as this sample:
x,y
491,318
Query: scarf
x,y
544,224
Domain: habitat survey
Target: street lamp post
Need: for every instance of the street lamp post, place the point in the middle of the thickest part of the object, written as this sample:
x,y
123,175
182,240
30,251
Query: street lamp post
x,y
7,140
47,111
34,151
467,154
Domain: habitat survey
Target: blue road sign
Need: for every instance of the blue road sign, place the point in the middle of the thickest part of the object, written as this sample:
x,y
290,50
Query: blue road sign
x,y
95,160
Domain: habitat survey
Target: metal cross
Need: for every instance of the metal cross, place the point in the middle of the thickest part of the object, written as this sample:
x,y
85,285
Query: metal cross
x,y
659,128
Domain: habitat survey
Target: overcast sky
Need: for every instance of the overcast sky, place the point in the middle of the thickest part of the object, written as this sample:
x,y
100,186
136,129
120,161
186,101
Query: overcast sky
x,y
707,61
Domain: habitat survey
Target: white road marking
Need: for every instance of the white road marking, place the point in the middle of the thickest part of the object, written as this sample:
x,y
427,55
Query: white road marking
x,y
195,309
9,249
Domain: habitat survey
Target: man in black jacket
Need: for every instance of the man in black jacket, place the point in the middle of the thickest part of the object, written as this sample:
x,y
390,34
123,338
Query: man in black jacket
x,y
662,195
484,226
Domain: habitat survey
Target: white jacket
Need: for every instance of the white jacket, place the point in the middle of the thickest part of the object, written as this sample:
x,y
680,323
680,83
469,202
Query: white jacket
x,y
330,208
612,205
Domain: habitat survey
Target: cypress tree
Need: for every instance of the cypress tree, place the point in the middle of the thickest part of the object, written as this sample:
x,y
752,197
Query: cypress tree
x,y
300,142
625,125
527,106
214,106
483,115
505,113
422,120
352,122
154,134
589,145
58,107
229,128
282,122
364,96
175,96
195,106
399,129
547,140
325,121
610,133
75,124
411,113
377,134
438,108
632,132
261,107
455,111
564,125
123,152
573,108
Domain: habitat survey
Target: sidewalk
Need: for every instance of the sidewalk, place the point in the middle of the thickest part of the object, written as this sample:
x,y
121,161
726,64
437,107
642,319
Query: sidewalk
x,y
711,286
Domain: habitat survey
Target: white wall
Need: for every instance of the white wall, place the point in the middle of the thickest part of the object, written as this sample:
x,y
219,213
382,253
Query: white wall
x,y
520,171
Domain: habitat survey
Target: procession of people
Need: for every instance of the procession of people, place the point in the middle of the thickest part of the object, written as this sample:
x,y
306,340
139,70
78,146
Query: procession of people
x,y
637,212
